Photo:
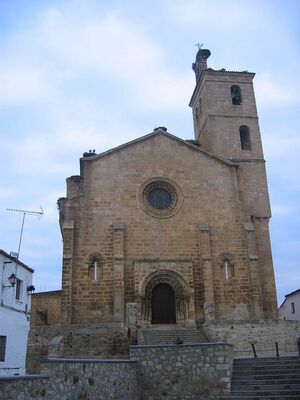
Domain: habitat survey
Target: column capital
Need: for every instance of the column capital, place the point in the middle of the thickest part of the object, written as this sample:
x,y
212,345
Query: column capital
x,y
249,227
118,226
203,226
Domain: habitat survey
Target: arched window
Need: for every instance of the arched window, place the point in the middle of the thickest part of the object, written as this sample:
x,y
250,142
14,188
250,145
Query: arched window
x,y
245,137
236,96
228,269
95,267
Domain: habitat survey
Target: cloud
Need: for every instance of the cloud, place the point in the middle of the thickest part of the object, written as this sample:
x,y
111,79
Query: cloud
x,y
100,44
272,92
224,15
280,210
112,47
7,192
289,275
22,84
282,154
105,46
280,144
84,74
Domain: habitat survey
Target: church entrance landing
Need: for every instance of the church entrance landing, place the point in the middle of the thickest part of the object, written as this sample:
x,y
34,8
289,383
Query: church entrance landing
x,y
163,304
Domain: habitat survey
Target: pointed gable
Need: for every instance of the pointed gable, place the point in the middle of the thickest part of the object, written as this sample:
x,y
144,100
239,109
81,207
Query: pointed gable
x,y
160,133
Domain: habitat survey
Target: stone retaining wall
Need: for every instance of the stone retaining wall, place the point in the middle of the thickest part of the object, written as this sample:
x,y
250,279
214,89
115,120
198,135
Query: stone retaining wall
x,y
102,341
75,380
184,372
173,372
262,334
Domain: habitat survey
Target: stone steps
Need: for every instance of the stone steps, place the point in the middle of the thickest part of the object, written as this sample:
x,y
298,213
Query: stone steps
x,y
266,386
265,379
273,380
260,397
172,336
257,371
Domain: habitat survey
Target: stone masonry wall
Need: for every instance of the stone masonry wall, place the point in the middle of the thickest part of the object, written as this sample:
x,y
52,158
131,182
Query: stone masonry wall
x,y
78,341
217,127
174,372
262,334
184,372
111,194
46,308
75,380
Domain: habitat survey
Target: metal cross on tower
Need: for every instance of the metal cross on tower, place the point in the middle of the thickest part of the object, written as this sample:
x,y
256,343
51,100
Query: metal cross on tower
x,y
199,45
25,212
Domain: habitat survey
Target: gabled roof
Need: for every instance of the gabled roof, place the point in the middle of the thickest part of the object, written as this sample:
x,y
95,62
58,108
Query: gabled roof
x,y
14,259
151,135
289,294
295,291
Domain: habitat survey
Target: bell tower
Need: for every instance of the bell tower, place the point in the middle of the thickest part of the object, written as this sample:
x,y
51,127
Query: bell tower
x,y
226,125
224,111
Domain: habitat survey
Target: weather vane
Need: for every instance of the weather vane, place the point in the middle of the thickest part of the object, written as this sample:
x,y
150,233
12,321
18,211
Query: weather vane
x,y
199,45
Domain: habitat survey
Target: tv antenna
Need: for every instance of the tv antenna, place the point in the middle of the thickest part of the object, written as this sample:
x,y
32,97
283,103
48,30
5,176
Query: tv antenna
x,y
38,214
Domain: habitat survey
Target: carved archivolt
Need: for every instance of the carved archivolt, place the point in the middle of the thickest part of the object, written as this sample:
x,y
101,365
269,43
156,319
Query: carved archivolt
x,y
178,284
221,257
95,255
176,281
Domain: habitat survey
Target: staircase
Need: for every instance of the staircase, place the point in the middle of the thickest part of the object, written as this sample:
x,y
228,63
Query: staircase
x,y
172,336
265,379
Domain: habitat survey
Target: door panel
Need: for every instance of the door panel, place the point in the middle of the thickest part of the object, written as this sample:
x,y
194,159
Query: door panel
x,y
163,304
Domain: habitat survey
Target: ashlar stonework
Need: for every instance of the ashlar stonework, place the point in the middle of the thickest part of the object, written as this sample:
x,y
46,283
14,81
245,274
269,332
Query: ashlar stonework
x,y
165,232
210,244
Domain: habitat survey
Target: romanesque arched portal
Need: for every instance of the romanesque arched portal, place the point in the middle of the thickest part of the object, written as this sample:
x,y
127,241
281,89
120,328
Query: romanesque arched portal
x,y
164,298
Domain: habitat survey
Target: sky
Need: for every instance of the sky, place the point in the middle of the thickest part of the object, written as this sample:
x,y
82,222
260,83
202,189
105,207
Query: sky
x,y
84,74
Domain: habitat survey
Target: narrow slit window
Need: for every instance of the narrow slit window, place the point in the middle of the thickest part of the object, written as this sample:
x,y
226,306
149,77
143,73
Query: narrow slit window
x,y
228,269
236,96
196,118
200,106
293,308
245,137
95,269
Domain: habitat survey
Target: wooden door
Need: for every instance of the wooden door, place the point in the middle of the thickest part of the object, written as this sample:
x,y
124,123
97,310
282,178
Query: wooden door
x,y
163,304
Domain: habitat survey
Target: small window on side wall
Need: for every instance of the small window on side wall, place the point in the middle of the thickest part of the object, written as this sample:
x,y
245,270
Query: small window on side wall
x,y
2,347
228,269
245,137
95,268
293,307
19,289
236,96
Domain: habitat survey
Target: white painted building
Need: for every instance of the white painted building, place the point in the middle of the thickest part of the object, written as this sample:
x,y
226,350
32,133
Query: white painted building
x,y
15,302
290,308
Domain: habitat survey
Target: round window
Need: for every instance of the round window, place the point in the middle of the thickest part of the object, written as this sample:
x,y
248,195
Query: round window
x,y
160,197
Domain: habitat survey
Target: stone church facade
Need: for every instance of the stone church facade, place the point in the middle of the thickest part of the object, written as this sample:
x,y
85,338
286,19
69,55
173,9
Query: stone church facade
x,y
165,233
179,228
